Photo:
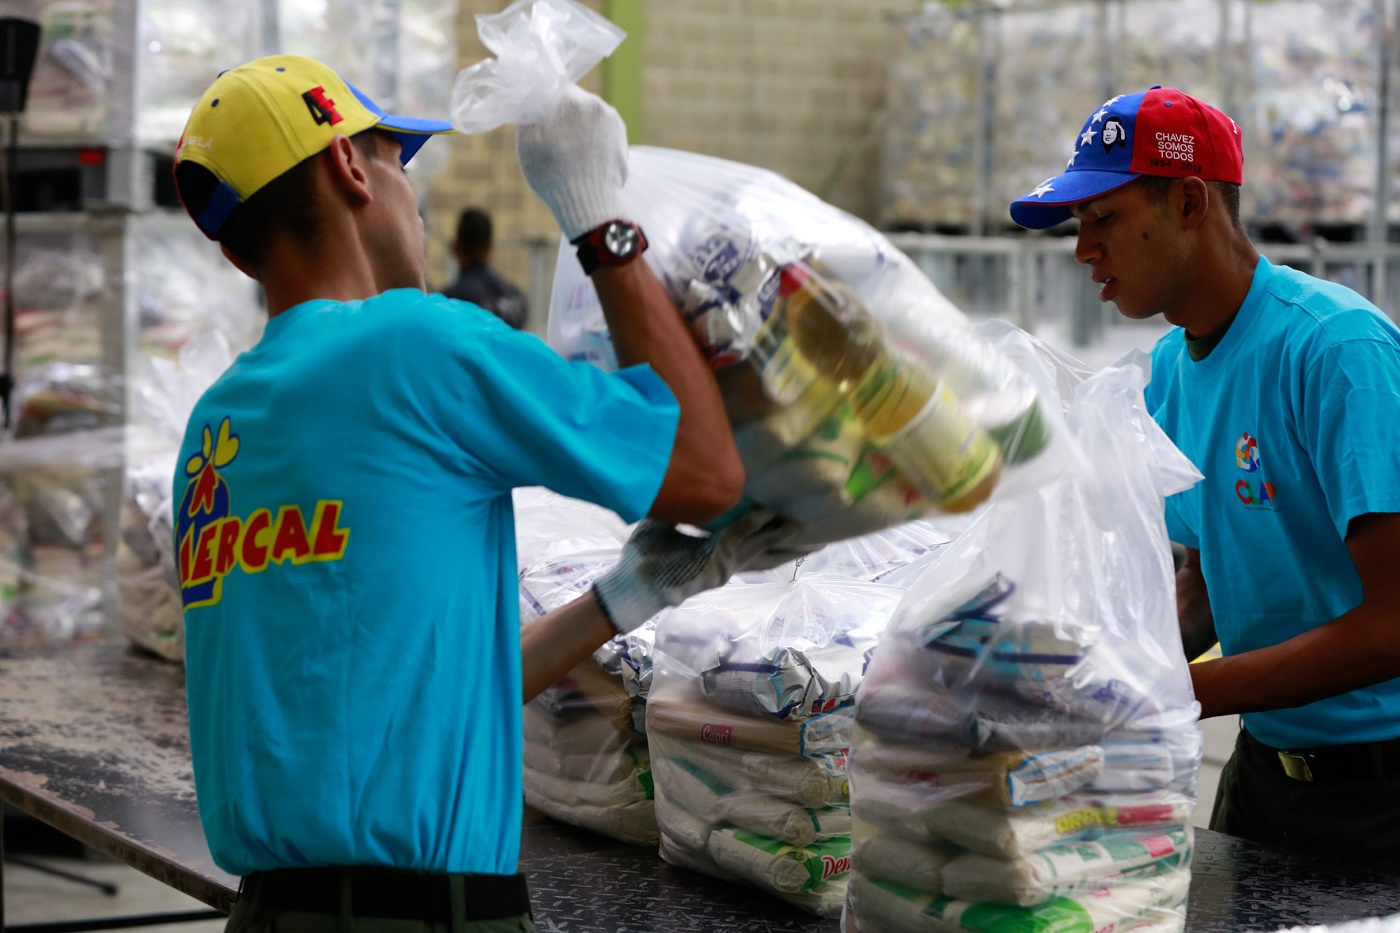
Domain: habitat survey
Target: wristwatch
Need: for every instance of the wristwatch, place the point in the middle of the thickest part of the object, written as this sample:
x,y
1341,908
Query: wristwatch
x,y
614,243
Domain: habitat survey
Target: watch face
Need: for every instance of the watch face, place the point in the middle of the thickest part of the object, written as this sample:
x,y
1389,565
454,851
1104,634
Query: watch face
x,y
620,240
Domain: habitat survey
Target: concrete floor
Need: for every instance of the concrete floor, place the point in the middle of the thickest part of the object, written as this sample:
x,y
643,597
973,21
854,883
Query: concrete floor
x,y
33,897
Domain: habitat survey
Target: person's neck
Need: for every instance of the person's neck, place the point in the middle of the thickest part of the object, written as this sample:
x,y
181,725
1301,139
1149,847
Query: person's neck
x,y
1220,287
339,270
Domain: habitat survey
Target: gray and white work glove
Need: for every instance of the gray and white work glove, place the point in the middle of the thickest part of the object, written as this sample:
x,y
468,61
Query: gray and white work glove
x,y
662,566
576,161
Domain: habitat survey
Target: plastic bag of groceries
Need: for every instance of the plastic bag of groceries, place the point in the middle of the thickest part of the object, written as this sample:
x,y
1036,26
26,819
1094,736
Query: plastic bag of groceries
x,y
586,759
858,395
750,721
1027,741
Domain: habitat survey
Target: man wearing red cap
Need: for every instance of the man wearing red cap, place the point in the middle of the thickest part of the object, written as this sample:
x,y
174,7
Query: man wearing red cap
x,y
344,522
1284,390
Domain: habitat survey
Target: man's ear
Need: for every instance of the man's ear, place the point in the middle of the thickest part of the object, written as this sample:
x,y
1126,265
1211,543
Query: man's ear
x,y
239,264
348,175
1195,202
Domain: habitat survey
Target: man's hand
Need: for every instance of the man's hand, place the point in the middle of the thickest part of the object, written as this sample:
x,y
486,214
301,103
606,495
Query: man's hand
x,y
662,567
576,161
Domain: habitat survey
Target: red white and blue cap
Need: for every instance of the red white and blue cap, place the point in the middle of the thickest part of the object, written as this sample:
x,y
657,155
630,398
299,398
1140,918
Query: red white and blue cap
x,y
1159,132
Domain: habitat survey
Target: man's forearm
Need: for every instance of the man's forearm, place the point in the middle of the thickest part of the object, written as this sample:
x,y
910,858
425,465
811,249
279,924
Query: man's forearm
x,y
1193,609
1356,650
555,642
706,476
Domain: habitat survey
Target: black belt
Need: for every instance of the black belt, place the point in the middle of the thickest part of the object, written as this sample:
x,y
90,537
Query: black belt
x,y
1330,764
390,893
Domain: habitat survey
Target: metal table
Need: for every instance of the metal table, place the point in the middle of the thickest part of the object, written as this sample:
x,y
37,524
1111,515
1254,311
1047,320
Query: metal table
x,y
93,741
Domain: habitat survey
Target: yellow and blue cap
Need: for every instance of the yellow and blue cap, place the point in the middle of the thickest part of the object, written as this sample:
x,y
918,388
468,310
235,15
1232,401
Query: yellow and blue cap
x,y
262,119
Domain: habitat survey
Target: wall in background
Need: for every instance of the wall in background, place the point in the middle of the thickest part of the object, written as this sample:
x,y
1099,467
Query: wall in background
x,y
795,86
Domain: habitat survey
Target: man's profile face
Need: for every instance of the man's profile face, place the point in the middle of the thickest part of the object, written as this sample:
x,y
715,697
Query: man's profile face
x,y
1131,249
399,238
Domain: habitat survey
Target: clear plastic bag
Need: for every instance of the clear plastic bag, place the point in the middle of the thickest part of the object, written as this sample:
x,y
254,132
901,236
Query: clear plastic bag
x,y
1027,741
586,757
749,723
149,605
860,397
541,47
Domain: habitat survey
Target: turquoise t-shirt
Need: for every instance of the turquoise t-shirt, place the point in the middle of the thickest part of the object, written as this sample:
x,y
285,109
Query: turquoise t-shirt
x,y
1294,420
346,545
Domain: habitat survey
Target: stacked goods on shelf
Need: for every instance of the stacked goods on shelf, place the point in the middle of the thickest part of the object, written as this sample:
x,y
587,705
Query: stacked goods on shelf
x,y
860,397
71,91
750,723
929,172
1177,43
1312,117
1026,750
180,288
61,281
1036,103
56,475
180,46
586,758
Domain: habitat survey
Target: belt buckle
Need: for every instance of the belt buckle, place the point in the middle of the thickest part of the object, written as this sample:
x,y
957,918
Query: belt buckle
x,y
1296,766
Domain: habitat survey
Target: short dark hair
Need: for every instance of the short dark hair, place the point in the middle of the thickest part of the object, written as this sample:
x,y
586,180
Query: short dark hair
x,y
473,229
284,207
1157,189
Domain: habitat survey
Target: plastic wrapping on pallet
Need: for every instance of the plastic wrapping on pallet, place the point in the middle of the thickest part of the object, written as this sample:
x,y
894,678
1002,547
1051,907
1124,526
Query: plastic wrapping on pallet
x,y
1026,742
55,477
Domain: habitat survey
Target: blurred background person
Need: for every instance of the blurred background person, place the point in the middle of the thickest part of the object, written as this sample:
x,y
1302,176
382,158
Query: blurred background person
x,y
476,281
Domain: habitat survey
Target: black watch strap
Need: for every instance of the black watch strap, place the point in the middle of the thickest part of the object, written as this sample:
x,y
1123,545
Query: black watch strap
x,y
614,243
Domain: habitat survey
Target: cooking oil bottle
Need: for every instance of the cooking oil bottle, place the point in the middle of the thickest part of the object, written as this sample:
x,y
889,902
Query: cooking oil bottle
x,y
916,419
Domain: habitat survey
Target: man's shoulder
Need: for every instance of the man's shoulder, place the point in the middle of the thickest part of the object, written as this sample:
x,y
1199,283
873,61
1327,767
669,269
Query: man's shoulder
x,y
1324,314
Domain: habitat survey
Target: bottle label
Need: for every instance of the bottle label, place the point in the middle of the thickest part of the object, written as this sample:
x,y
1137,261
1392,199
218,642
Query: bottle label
x,y
941,450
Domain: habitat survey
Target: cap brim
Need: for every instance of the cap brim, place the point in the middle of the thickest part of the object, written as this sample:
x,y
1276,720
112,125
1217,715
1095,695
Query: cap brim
x,y
1061,192
411,132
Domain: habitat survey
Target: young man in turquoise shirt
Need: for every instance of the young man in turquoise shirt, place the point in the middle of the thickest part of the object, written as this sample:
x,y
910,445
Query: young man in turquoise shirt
x,y
1284,390
344,520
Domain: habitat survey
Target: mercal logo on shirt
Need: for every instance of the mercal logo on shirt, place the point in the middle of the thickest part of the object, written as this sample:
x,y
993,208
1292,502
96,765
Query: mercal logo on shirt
x,y
210,541
1255,492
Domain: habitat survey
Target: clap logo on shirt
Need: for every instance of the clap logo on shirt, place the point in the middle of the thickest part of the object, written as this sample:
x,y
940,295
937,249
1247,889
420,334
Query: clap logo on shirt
x,y
210,541
1254,492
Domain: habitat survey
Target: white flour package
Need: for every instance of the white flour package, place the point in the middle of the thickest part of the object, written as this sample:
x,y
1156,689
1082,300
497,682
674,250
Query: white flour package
x,y
1026,743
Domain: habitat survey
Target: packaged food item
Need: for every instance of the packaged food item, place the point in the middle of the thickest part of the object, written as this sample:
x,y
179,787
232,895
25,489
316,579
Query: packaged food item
x,y
1026,750
586,757
749,722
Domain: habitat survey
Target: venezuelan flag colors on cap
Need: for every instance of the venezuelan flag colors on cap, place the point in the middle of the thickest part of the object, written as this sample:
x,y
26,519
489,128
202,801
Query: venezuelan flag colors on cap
x,y
261,119
1158,132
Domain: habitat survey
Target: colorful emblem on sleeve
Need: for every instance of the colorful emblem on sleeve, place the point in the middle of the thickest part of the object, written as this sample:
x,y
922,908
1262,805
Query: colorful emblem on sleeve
x,y
211,542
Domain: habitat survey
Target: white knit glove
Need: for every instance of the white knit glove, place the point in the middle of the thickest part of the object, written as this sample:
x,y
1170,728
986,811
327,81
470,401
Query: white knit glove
x,y
576,161
663,567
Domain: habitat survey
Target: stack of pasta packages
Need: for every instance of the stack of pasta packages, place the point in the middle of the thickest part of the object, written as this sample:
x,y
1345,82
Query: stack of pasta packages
x,y
1026,749
750,723
586,760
